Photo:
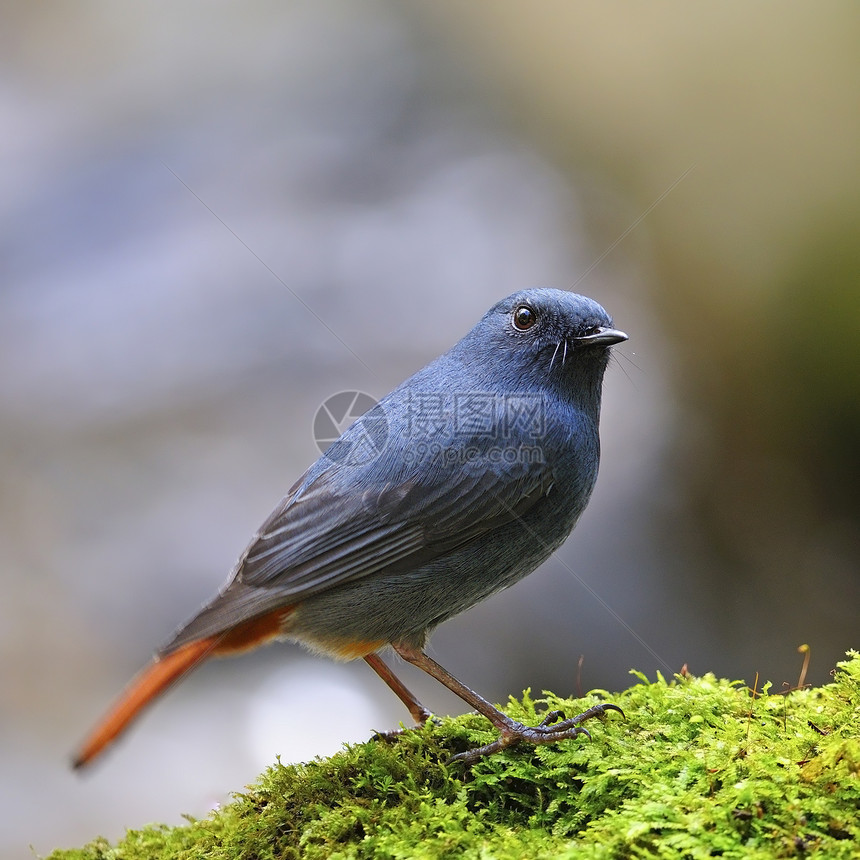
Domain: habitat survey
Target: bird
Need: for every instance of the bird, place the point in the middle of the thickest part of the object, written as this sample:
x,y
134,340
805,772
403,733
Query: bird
x,y
457,484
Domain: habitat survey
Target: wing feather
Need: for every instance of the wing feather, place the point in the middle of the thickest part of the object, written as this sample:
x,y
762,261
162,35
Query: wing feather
x,y
333,534
332,531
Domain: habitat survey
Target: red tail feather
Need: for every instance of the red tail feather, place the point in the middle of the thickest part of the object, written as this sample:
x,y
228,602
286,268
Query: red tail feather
x,y
152,681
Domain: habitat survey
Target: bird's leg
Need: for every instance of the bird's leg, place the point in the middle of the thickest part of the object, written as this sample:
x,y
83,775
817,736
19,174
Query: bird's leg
x,y
511,732
418,712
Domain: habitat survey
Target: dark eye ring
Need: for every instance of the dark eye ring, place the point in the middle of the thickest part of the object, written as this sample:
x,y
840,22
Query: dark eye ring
x,y
524,318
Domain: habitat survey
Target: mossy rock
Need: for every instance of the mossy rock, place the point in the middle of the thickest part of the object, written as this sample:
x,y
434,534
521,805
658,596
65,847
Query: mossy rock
x,y
700,768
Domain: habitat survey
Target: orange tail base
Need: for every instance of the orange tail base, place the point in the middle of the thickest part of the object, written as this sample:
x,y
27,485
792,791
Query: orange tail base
x,y
165,671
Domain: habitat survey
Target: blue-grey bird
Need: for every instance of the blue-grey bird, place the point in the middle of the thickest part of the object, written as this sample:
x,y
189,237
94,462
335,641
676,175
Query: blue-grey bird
x,y
457,484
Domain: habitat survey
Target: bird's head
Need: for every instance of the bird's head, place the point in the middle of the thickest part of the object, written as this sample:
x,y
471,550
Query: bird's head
x,y
555,336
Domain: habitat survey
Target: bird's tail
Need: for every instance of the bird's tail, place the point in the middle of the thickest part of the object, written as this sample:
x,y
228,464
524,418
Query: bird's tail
x,y
169,666
160,674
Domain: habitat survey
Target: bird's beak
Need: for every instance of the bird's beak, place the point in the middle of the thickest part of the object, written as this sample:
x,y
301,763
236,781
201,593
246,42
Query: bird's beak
x,y
602,337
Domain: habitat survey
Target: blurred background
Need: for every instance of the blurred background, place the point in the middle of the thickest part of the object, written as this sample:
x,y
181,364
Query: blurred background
x,y
215,216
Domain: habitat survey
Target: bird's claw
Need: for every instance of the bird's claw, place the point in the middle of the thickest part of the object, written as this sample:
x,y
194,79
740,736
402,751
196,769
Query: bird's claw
x,y
393,734
548,731
550,718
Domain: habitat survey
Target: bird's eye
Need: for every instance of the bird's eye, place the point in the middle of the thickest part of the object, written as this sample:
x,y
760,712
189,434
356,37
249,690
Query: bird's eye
x,y
524,318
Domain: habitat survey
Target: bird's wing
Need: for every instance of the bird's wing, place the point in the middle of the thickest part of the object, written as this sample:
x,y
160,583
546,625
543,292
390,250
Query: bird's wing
x,y
330,535
333,531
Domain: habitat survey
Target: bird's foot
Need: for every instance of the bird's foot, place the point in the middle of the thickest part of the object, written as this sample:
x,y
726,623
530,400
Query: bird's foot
x,y
393,734
553,727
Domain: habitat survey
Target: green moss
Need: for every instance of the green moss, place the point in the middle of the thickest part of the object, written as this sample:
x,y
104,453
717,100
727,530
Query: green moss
x,y
700,768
